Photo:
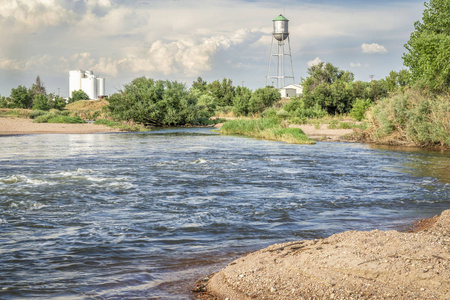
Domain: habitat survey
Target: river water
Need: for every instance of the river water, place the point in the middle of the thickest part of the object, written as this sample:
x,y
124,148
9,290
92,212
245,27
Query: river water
x,y
142,215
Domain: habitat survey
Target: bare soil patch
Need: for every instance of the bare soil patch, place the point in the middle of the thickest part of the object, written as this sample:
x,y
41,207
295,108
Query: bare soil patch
x,y
323,133
349,265
14,126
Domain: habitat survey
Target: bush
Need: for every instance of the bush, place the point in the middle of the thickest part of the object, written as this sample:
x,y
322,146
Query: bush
x,y
65,119
105,122
359,109
36,113
412,118
40,102
151,102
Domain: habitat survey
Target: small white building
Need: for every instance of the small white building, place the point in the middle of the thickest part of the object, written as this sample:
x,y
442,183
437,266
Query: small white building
x,y
291,90
86,81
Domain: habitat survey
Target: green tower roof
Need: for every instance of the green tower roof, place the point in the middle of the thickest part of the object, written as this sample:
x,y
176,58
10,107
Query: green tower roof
x,y
280,18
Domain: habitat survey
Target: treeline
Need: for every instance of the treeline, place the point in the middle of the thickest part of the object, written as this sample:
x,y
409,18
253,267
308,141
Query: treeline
x,y
167,103
37,98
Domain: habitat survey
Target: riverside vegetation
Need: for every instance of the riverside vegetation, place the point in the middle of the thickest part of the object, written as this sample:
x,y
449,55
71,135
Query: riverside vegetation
x,y
408,107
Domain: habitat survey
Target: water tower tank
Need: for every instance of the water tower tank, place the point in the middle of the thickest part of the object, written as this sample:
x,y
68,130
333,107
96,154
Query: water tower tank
x,y
280,28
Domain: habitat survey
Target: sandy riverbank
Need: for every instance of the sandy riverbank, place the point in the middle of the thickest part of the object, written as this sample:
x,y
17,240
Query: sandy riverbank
x,y
321,133
14,126
348,265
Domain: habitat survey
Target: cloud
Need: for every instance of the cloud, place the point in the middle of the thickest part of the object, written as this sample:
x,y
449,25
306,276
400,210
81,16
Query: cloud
x,y
314,62
32,63
31,15
373,48
191,57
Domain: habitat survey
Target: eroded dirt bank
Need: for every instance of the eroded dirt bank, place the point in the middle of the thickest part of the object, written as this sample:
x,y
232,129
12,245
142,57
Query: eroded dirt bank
x,y
348,265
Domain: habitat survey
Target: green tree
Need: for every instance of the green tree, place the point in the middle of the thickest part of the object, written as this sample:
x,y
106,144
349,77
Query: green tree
x,y
78,95
56,101
199,84
223,91
3,102
151,102
40,102
206,105
21,97
328,87
263,98
241,101
428,49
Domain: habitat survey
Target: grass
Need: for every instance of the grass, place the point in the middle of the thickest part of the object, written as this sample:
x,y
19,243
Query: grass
x,y
58,118
266,128
129,126
16,112
87,109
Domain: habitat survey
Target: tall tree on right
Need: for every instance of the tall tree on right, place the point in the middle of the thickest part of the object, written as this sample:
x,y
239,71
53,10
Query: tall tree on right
x,y
428,56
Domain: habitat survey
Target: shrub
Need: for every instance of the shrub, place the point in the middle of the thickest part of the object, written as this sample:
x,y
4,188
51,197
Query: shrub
x,y
359,109
66,119
105,122
36,113
411,117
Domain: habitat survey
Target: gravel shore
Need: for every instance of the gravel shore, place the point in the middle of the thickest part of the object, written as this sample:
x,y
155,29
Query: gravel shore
x,y
14,126
348,265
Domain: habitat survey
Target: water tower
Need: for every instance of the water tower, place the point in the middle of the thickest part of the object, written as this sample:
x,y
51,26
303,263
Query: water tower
x,y
281,35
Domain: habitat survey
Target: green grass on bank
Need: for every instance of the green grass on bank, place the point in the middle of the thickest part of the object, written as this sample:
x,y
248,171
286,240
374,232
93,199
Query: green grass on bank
x,y
266,128
120,125
57,118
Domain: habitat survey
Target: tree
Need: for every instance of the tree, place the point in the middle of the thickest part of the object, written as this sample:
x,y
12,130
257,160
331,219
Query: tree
x,y
199,84
241,101
222,91
40,102
56,101
328,87
151,102
21,97
263,98
37,88
78,95
428,49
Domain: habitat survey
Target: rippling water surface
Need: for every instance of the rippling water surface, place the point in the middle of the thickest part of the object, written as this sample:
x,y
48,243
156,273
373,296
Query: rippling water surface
x,y
143,215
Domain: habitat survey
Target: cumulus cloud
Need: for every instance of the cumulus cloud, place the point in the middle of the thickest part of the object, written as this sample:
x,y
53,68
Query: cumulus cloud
x,y
182,39
189,56
314,62
21,15
373,48
32,63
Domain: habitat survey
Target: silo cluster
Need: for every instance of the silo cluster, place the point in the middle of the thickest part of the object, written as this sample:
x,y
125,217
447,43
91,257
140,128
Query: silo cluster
x,y
86,81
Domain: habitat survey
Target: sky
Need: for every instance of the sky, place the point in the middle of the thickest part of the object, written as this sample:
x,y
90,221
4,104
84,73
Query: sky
x,y
180,40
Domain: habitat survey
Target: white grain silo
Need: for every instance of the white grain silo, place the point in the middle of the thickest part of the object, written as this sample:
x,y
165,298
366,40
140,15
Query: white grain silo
x,y
280,34
75,80
89,86
100,87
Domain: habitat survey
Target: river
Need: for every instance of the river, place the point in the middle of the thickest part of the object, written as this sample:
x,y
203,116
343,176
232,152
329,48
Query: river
x,y
142,215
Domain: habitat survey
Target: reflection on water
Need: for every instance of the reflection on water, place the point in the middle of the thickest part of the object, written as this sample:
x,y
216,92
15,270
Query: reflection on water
x,y
420,162
143,215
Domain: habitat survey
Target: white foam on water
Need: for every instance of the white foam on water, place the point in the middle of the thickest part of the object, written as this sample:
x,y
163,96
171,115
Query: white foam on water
x,y
200,161
13,179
